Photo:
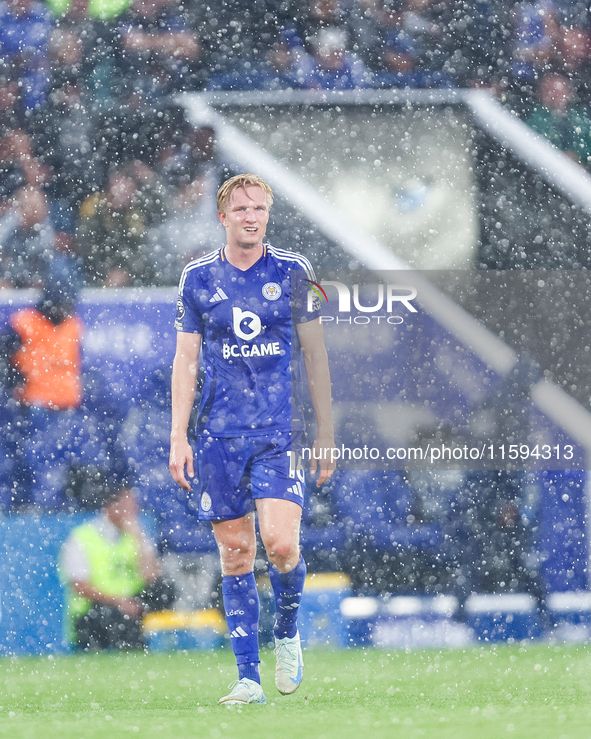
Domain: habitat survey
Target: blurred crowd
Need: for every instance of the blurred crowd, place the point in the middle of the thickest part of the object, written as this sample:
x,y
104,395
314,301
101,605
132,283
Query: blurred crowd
x,y
101,173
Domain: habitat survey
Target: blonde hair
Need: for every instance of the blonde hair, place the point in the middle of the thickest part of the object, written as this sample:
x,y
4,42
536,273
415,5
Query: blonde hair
x,y
243,181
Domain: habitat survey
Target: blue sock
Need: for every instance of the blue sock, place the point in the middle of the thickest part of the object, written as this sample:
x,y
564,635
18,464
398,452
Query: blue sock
x,y
241,604
288,588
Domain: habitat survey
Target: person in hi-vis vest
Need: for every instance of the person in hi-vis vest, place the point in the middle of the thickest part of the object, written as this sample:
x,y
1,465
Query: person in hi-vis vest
x,y
111,572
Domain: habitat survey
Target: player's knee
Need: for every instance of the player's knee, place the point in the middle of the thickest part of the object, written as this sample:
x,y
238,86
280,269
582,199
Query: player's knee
x,y
237,560
237,565
283,554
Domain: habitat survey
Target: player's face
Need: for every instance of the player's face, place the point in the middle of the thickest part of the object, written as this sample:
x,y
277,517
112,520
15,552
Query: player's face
x,y
246,217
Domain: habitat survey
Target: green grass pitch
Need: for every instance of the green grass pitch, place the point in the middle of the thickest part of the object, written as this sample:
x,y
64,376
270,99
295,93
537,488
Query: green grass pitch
x,y
483,692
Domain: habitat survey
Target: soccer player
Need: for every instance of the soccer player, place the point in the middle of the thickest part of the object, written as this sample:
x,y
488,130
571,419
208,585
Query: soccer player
x,y
238,305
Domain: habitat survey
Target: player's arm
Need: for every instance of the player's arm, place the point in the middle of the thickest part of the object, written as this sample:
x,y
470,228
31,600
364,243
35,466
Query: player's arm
x,y
184,382
316,361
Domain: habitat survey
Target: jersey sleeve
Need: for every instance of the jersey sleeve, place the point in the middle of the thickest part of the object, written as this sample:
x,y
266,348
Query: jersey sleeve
x,y
306,304
188,316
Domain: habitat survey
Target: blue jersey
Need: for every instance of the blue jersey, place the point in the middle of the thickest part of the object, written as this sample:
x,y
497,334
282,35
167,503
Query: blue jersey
x,y
250,347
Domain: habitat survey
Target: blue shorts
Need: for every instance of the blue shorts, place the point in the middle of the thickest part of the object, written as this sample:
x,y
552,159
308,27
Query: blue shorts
x,y
233,473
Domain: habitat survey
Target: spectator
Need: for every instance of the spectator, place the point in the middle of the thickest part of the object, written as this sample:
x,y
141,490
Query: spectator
x,y
66,50
78,53
399,62
315,16
84,44
114,223
42,224
283,65
445,43
193,227
393,32
31,239
12,112
573,55
25,28
17,148
423,22
371,21
28,247
400,53
111,572
536,33
565,125
67,145
158,50
331,66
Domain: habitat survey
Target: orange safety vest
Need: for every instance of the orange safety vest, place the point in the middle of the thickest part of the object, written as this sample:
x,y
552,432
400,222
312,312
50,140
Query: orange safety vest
x,y
49,359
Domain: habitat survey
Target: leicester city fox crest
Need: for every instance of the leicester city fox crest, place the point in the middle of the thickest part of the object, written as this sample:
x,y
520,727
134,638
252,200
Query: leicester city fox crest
x,y
271,291
180,313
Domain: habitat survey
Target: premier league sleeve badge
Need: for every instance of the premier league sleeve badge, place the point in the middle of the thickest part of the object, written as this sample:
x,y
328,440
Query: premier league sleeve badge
x,y
180,313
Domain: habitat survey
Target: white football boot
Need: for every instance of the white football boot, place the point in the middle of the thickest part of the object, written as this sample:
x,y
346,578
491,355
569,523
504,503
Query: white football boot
x,y
289,670
243,691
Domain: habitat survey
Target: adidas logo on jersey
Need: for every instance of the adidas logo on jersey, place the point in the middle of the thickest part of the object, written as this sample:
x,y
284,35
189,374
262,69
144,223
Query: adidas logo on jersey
x,y
296,490
219,295
238,632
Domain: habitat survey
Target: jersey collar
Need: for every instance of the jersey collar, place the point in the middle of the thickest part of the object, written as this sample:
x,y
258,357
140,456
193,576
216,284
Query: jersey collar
x,y
223,254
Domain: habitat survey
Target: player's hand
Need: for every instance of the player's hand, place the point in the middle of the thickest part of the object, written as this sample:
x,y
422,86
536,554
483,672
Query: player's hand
x,y
181,457
323,460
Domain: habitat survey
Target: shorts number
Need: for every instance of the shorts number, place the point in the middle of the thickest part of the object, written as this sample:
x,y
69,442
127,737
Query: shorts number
x,y
296,467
